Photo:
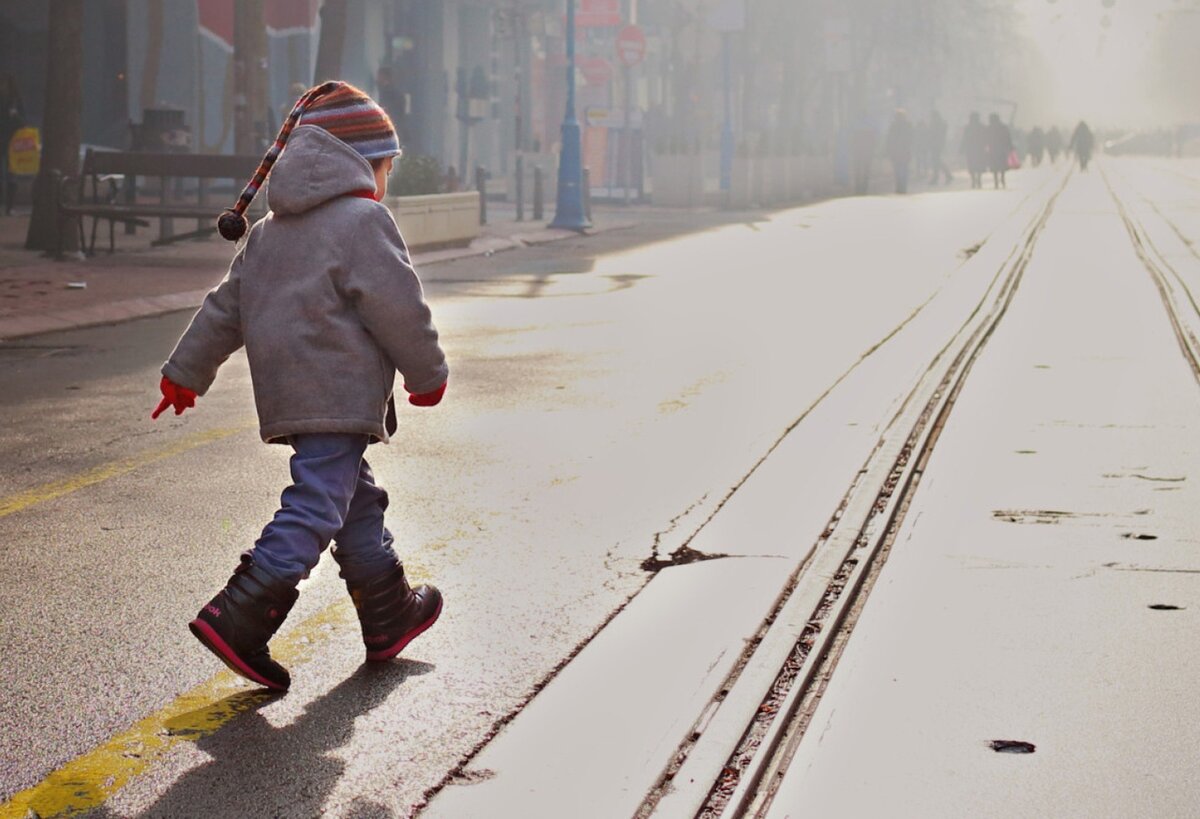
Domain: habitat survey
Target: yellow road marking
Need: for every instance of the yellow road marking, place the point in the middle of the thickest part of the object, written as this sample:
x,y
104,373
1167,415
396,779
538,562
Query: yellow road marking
x,y
56,489
87,782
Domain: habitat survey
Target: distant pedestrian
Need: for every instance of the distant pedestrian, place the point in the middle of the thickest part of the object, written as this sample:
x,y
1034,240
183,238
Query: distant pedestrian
x,y
999,147
1036,144
975,149
324,298
12,117
1054,144
1083,142
937,149
900,148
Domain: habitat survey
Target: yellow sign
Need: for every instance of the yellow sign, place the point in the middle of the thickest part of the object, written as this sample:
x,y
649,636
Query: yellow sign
x,y
25,151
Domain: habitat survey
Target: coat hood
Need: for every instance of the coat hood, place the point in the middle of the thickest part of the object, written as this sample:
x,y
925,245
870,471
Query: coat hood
x,y
313,168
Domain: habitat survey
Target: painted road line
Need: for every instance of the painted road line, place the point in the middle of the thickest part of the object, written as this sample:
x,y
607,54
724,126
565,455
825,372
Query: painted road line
x,y
56,489
88,781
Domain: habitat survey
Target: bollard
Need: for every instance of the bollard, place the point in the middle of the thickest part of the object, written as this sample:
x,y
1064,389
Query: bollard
x,y
520,180
587,194
538,204
481,186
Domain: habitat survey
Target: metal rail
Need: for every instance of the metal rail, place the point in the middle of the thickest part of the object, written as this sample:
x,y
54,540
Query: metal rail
x,y
1177,296
811,623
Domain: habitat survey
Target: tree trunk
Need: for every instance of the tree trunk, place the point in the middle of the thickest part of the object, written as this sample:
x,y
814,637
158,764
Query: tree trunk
x,y
61,127
333,37
250,129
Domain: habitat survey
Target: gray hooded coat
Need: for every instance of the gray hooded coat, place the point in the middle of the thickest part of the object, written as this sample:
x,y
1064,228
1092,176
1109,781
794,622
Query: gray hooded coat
x,y
324,298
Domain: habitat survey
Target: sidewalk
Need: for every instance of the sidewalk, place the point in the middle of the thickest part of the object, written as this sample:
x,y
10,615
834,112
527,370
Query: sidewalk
x,y
39,294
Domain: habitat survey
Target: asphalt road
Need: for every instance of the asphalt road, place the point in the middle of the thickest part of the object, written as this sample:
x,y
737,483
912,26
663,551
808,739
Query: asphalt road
x,y
606,395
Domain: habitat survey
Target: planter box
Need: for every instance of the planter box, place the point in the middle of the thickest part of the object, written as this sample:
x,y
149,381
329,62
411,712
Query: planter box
x,y
437,220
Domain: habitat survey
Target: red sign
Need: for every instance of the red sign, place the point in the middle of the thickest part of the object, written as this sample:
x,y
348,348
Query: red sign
x,y
595,70
598,13
631,46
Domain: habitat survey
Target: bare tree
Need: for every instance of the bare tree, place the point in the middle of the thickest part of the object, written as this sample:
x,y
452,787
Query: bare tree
x,y
249,76
333,37
61,128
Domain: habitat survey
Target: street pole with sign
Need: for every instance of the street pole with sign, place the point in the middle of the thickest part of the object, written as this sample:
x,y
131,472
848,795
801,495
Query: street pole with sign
x,y
631,49
568,208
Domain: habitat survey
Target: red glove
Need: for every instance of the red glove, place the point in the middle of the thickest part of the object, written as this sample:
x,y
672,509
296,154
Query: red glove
x,y
180,398
427,399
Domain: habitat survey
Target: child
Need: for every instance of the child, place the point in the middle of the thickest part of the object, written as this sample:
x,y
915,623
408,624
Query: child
x,y
324,297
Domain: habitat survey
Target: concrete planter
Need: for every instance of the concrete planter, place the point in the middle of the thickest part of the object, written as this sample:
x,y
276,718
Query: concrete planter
x,y
437,220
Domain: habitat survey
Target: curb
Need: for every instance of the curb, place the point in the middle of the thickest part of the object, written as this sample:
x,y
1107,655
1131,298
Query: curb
x,y
16,327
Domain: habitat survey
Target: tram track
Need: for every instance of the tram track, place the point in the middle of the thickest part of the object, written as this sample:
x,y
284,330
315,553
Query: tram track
x,y
1178,297
733,760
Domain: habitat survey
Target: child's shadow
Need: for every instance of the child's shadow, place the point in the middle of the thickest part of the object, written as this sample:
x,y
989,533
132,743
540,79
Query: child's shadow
x,y
261,770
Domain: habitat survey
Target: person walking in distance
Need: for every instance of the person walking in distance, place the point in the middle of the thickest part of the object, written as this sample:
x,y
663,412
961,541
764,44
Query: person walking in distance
x,y
900,148
324,298
975,149
1036,145
1083,142
1054,144
999,146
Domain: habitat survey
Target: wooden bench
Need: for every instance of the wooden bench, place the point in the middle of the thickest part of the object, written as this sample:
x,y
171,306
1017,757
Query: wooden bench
x,y
114,196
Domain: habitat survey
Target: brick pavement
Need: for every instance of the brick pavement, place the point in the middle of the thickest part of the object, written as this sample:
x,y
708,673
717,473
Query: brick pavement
x,y
39,294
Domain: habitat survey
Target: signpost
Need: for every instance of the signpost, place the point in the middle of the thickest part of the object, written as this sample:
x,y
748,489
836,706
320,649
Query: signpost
x,y
631,50
631,46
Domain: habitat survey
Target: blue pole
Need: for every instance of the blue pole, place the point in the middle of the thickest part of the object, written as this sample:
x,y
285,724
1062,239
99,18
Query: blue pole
x,y
568,209
727,123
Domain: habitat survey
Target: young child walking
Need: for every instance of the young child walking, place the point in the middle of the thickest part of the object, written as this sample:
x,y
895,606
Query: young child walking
x,y
324,298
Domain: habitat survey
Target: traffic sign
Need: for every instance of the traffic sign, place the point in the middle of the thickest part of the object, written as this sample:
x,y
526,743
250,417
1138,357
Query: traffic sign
x,y
24,152
595,70
598,14
631,46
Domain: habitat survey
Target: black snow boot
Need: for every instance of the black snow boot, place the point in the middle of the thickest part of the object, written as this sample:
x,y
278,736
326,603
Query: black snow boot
x,y
391,613
240,620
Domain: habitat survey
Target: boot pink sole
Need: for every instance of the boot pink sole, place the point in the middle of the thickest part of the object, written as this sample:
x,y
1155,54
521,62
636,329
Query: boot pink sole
x,y
213,642
394,649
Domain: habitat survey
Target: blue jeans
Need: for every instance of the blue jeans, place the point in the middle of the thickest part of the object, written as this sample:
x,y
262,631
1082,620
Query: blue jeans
x,y
333,497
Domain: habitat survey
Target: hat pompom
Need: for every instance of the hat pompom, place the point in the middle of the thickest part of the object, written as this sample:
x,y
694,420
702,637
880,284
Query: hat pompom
x,y
232,225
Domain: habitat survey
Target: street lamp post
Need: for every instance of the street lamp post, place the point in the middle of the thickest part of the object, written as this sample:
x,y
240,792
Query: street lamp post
x,y
568,209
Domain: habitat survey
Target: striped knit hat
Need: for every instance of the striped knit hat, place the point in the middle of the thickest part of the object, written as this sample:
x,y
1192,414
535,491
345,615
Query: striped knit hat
x,y
339,108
